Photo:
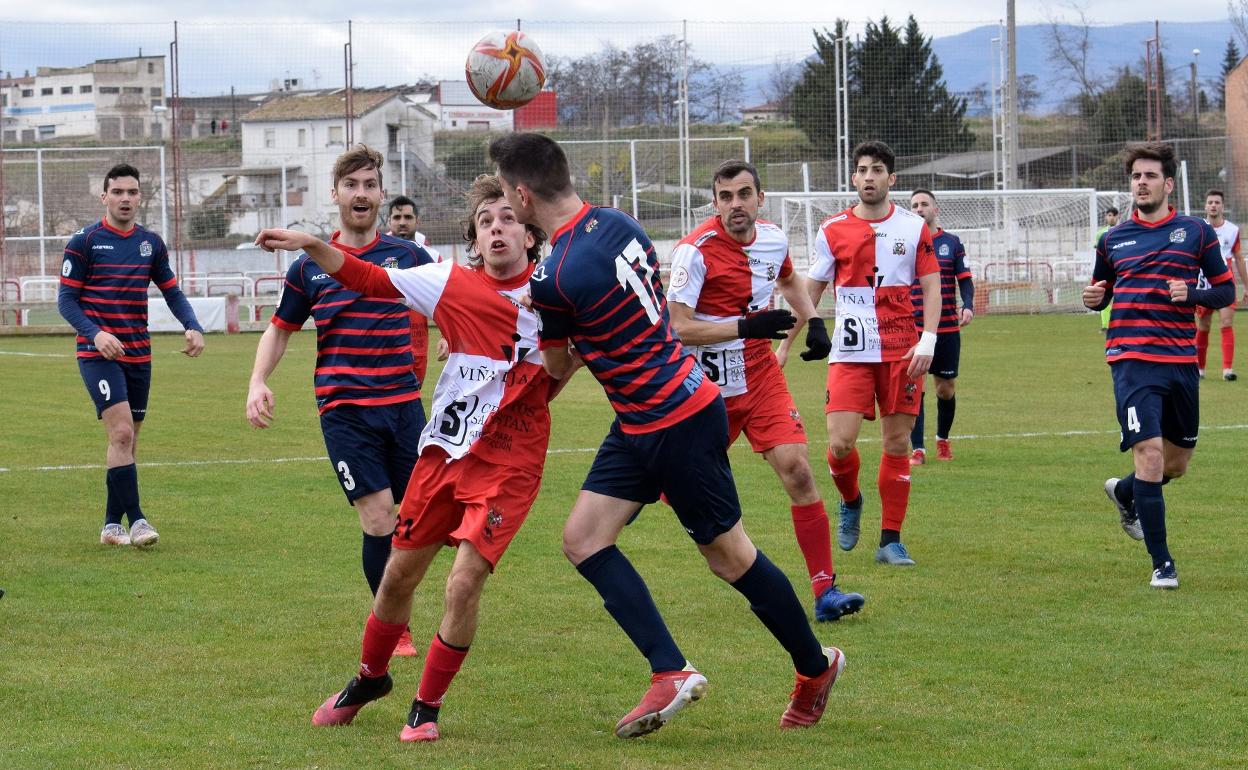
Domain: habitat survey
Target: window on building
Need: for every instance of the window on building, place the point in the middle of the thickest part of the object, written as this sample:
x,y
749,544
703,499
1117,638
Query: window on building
x,y
303,137
158,131
28,134
46,91
46,132
110,90
392,137
10,135
154,91
110,128
134,127
134,90
84,89
335,134
28,92
270,137
67,89
4,100
151,68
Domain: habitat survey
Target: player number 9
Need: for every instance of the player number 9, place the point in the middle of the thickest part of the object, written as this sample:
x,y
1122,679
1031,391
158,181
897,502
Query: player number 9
x,y
105,390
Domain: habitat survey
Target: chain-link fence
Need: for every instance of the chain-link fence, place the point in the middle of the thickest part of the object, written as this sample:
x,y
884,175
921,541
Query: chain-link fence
x,y
646,111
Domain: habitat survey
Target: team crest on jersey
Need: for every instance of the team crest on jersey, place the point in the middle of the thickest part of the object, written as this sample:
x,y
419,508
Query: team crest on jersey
x,y
390,263
771,272
944,249
590,225
492,519
145,249
899,248
1178,236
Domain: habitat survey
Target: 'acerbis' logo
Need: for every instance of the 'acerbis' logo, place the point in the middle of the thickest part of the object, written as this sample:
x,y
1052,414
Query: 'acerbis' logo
x,y
539,274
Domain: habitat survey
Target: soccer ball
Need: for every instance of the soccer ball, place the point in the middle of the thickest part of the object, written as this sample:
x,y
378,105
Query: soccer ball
x,y
505,69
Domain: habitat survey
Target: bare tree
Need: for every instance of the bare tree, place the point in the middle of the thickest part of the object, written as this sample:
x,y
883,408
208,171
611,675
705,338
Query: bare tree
x,y
781,81
1070,44
1237,10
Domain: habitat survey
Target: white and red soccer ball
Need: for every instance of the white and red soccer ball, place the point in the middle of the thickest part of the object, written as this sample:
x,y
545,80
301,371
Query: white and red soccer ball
x,y
505,69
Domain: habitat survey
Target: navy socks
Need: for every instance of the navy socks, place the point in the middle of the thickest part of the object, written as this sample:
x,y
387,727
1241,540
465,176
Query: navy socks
x,y
628,600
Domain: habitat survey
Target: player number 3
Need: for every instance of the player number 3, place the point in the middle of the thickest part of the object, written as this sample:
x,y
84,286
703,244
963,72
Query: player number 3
x,y
348,483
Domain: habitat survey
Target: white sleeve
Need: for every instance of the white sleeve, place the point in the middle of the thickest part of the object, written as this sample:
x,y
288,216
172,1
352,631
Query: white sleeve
x,y
433,253
822,263
688,275
421,286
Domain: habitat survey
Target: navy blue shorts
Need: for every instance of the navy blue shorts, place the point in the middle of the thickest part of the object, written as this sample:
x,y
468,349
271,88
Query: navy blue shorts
x,y
1156,399
373,447
112,382
686,462
948,351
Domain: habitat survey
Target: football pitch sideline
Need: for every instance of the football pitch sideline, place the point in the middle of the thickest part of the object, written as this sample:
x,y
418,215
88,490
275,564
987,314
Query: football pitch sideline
x,y
1026,637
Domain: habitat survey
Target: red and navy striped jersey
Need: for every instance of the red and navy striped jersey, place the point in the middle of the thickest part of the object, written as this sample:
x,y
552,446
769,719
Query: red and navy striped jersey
x,y
363,343
951,256
600,288
106,273
1138,258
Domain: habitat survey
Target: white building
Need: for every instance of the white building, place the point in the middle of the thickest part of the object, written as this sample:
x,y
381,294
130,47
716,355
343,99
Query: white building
x,y
109,100
457,109
305,133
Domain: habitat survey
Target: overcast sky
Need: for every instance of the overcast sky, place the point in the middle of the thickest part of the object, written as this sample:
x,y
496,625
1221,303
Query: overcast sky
x,y
1108,11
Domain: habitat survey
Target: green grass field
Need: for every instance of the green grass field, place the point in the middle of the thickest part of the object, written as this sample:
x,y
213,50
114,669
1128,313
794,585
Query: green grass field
x,y
1027,637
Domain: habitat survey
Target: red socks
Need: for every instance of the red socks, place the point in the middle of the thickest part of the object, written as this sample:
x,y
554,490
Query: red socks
x,y
810,524
845,474
378,645
442,663
894,481
1228,347
1202,348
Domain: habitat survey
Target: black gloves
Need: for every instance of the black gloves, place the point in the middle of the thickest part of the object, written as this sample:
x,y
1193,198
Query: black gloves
x,y
767,325
817,343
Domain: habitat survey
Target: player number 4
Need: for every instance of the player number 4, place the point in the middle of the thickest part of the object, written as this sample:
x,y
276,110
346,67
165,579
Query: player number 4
x,y
626,266
1133,420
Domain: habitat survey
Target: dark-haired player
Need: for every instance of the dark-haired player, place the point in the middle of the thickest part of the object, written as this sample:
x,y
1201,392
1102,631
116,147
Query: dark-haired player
x,y
1149,267
482,452
103,295
955,280
404,218
601,302
367,396
872,253
724,274
1228,237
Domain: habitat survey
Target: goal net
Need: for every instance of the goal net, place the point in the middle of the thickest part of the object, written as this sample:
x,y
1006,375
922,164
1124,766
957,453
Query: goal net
x,y
1029,251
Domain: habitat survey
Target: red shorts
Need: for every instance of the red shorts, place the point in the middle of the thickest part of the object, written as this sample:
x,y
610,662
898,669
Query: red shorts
x,y
1204,312
467,499
858,387
766,414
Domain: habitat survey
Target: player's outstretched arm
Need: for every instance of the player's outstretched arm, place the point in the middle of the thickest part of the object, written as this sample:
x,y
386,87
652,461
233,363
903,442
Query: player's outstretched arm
x,y
260,400
329,258
695,332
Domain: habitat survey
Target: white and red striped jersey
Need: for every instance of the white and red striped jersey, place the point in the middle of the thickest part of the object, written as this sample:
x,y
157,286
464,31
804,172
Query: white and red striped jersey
x,y
872,264
492,397
423,242
724,280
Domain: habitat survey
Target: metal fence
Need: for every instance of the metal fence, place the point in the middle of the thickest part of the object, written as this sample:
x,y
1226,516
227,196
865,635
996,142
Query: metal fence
x,y
225,118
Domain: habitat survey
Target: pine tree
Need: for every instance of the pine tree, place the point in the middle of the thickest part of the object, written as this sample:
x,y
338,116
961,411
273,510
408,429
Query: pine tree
x,y
1230,60
897,93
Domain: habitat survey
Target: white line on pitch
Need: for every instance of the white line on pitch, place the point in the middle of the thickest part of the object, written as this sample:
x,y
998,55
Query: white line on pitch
x,y
574,450
33,355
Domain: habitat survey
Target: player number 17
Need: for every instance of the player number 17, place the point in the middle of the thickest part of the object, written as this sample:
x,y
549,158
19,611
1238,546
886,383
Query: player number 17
x,y
626,266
